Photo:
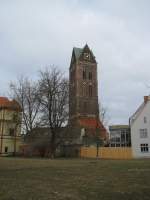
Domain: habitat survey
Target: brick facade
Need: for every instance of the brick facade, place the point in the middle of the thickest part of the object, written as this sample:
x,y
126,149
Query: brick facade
x,y
83,92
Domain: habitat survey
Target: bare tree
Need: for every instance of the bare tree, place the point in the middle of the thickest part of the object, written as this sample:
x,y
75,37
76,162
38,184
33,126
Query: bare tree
x,y
26,93
103,114
54,104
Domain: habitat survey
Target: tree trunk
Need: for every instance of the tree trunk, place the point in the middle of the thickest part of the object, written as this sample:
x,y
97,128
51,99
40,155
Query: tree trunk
x,y
52,145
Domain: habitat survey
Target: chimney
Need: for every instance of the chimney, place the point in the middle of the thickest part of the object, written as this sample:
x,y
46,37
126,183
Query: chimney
x,y
146,98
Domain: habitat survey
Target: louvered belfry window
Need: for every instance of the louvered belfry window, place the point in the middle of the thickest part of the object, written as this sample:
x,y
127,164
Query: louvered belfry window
x,y
90,90
90,75
84,74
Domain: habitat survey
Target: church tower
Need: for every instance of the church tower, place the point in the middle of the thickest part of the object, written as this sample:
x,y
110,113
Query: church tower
x,y
83,84
83,91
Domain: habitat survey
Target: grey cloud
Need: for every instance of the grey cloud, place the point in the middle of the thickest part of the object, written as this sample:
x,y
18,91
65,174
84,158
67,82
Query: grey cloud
x,y
35,33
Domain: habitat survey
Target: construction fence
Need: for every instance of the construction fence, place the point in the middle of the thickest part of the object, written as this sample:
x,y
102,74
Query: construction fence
x,y
106,152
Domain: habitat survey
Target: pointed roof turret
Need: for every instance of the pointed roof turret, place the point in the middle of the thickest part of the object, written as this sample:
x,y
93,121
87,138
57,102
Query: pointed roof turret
x,y
78,52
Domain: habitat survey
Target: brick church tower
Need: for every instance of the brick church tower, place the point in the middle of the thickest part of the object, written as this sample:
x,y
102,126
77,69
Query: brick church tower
x,y
83,94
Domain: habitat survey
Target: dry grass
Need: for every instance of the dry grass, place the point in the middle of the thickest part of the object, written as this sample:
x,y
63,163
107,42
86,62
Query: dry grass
x,y
41,179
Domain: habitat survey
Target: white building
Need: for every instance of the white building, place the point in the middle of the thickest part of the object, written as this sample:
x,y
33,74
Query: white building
x,y
140,130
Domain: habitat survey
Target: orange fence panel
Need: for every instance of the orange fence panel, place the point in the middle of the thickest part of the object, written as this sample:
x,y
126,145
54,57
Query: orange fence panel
x,y
107,152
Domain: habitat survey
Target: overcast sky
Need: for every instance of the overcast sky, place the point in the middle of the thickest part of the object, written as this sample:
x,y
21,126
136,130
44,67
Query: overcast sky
x,y
39,33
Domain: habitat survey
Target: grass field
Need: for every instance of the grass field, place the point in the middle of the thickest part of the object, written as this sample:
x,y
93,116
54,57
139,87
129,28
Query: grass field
x,y
41,179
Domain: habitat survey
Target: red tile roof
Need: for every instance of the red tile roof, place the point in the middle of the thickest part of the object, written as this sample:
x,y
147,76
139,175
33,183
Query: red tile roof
x,y
3,100
93,123
9,104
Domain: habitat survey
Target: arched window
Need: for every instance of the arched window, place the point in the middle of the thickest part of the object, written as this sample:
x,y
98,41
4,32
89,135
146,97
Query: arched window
x,y
90,90
84,74
90,75
84,106
83,90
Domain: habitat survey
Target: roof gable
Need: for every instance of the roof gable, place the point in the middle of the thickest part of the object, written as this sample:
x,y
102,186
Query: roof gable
x,y
87,51
78,54
137,113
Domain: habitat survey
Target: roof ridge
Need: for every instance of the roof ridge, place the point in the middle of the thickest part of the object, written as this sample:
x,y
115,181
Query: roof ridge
x,y
137,112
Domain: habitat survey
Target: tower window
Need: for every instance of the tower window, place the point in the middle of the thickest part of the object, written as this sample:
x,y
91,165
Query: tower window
x,y
84,90
90,90
85,106
84,74
90,75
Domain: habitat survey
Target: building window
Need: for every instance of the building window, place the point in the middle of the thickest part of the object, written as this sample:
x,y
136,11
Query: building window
x,y
127,137
84,74
15,117
144,148
118,139
123,145
143,133
90,75
11,131
6,149
123,139
112,145
90,90
145,120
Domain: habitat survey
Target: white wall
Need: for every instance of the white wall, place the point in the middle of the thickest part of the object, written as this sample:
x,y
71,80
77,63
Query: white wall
x,y
138,124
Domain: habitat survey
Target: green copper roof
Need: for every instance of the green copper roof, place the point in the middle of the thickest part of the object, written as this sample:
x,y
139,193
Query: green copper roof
x,y
77,52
